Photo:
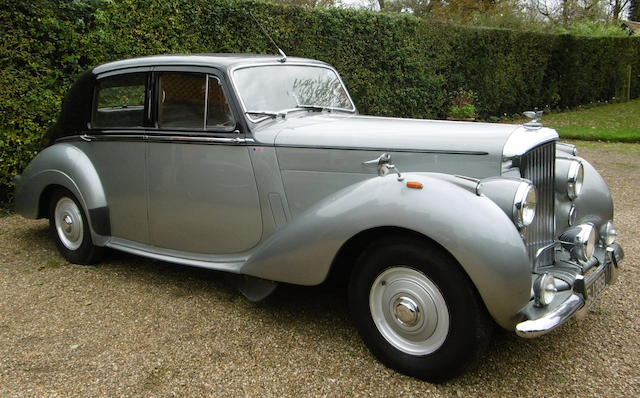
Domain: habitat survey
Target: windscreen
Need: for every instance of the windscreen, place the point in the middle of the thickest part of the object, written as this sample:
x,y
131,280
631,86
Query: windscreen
x,y
275,88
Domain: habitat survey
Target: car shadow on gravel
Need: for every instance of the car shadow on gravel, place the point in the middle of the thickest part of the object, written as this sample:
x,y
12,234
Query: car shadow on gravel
x,y
321,311
287,300
37,236
324,307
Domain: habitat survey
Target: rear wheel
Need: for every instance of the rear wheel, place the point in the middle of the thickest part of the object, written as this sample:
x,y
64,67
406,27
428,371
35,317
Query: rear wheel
x,y
416,309
70,229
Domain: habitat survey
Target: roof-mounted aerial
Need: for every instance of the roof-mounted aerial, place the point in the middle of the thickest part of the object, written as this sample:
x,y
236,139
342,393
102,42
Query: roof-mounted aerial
x,y
282,54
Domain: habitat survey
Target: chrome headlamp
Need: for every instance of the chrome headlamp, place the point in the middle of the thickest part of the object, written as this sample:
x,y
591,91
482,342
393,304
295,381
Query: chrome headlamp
x,y
580,241
524,205
575,177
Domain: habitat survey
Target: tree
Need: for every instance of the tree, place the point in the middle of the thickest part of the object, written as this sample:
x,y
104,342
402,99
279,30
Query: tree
x,y
310,3
565,13
617,7
634,10
453,10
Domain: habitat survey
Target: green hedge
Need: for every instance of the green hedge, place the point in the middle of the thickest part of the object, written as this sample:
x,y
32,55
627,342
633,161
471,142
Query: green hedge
x,y
393,65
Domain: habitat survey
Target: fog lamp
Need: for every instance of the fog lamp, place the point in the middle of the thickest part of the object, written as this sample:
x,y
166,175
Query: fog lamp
x,y
580,241
608,233
544,289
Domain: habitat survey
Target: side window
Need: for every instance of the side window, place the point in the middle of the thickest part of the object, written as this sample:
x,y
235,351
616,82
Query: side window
x,y
119,101
192,100
218,111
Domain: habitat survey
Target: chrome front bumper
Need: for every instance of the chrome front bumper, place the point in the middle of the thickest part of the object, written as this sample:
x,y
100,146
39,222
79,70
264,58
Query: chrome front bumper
x,y
576,302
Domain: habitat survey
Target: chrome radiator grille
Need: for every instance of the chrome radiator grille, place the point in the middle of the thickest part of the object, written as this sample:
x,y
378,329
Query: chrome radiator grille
x,y
538,166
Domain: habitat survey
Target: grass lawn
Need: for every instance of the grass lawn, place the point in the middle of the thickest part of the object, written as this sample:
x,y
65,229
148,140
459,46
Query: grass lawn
x,y
612,122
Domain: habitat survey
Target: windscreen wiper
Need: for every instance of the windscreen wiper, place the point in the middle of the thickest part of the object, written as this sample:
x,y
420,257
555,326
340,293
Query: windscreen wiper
x,y
320,108
265,113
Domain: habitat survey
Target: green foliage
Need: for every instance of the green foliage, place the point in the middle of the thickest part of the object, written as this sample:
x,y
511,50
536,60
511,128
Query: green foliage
x,y
595,29
634,10
463,105
393,65
611,122
463,112
618,122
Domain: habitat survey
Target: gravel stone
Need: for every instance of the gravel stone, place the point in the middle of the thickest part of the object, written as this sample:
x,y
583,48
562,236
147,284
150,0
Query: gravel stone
x,y
136,327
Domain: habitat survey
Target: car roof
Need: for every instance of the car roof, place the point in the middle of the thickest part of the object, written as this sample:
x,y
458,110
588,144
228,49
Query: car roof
x,y
221,61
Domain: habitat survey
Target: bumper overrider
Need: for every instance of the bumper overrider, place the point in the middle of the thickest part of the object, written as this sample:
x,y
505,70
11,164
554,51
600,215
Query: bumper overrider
x,y
586,289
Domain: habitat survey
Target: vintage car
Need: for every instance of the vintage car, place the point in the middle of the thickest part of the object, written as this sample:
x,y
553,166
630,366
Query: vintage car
x,y
260,166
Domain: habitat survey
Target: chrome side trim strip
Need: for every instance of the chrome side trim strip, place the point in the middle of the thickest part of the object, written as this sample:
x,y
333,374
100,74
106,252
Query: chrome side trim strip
x,y
247,141
159,138
438,151
103,137
537,327
199,140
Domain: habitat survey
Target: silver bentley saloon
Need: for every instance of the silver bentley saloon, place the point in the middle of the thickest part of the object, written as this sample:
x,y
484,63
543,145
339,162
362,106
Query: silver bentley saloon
x,y
261,166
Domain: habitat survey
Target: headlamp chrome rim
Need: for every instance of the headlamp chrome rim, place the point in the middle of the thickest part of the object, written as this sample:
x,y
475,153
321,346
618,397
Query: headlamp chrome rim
x,y
573,214
524,204
575,178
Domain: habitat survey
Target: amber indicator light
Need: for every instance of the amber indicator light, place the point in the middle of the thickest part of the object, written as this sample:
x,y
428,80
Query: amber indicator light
x,y
414,184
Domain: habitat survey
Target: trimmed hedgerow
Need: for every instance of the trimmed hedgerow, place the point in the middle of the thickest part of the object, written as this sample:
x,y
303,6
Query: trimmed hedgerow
x,y
394,65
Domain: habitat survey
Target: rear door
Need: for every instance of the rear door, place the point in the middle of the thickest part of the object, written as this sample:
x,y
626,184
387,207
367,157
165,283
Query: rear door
x,y
117,148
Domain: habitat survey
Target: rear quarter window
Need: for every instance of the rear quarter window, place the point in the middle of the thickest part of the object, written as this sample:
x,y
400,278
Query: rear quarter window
x,y
120,101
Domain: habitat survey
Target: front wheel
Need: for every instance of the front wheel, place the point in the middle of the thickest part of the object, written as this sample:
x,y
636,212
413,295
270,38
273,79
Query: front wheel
x,y
70,229
417,311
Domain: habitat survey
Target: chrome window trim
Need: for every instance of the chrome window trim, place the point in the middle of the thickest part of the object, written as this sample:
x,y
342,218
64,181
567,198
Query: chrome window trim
x,y
244,109
205,129
206,100
128,71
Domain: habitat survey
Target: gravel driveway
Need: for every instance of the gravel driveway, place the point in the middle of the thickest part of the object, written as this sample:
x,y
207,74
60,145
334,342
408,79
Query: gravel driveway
x,y
136,327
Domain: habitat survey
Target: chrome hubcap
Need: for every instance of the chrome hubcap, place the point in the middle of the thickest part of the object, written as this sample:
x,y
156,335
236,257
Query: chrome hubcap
x,y
406,311
409,310
68,223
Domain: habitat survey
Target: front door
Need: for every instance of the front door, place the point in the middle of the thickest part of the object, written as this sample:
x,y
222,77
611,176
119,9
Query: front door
x,y
202,194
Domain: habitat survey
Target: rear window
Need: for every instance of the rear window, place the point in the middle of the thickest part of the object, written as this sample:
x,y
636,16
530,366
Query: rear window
x,y
119,101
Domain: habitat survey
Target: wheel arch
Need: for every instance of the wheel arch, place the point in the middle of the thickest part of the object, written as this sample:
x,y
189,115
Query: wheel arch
x,y
45,198
471,228
347,257
348,254
68,167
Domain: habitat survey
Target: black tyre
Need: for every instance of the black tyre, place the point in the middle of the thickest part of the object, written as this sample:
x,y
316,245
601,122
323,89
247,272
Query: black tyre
x,y
416,309
70,229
